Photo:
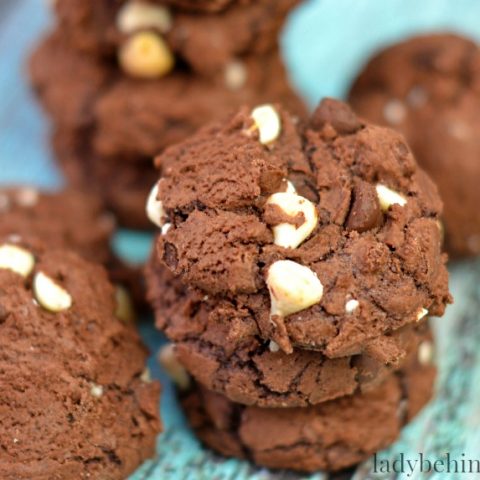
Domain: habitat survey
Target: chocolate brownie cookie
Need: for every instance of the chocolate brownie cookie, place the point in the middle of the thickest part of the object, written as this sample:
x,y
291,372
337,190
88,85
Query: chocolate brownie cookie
x,y
329,436
205,42
250,371
76,399
429,89
325,236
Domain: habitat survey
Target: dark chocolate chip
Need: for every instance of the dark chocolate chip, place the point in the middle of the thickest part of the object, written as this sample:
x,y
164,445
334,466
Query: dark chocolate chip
x,y
170,256
365,213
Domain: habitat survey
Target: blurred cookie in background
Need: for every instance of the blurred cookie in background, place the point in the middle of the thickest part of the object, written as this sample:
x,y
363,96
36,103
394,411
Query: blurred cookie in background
x,y
428,88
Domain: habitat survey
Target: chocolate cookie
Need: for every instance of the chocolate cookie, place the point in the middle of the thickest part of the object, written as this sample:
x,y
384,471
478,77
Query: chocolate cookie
x,y
329,436
229,357
205,42
106,141
76,399
324,236
429,89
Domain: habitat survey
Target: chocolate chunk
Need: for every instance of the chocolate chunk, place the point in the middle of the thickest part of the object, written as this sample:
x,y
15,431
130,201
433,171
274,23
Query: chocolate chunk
x,y
336,114
365,213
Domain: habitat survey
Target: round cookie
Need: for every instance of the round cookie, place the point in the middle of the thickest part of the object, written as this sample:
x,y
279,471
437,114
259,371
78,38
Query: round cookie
x,y
230,358
428,88
206,42
326,237
330,436
76,399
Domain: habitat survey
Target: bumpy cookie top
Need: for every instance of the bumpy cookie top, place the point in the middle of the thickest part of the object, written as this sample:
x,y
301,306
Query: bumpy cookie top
x,y
428,88
67,219
327,234
76,401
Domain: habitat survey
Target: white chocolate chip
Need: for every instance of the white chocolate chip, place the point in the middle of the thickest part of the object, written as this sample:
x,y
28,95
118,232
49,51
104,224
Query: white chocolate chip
x,y
268,122
394,112
293,287
426,353
125,310
146,55
166,228
26,197
49,295
287,235
154,208
146,376
388,197
138,15
273,346
423,312
175,370
96,390
235,75
351,305
17,259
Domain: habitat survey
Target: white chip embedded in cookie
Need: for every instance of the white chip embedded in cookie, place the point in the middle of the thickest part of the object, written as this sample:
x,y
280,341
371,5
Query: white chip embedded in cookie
x,y
146,55
138,15
17,259
293,287
387,197
154,208
175,370
267,121
289,235
50,295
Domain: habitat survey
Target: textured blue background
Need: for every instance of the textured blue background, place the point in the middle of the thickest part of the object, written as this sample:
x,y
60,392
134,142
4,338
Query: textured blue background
x,y
326,42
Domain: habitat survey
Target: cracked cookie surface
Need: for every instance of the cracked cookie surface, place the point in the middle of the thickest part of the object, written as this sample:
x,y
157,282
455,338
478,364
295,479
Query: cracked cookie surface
x,y
376,242
75,399
330,436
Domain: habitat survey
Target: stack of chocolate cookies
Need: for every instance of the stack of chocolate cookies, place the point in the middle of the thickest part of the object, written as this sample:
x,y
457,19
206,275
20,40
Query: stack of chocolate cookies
x,y
294,273
124,79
